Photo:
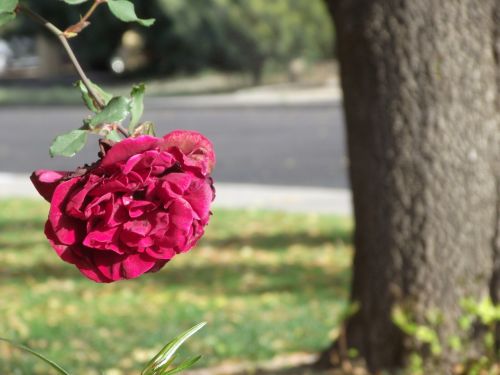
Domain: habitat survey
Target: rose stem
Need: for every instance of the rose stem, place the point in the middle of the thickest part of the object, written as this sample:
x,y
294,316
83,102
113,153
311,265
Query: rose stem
x,y
122,130
80,25
64,41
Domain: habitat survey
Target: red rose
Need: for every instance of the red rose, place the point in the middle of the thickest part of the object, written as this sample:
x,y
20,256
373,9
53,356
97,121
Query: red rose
x,y
145,201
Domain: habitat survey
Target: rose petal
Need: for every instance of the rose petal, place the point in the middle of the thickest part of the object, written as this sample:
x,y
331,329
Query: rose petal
x,y
92,273
46,181
138,208
164,253
63,251
140,227
67,230
179,182
103,239
177,239
112,186
97,206
115,214
200,196
108,264
123,150
134,232
74,204
181,214
135,265
131,163
198,149
173,186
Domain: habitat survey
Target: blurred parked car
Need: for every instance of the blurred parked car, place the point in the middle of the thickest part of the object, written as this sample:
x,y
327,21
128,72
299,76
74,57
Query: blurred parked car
x,y
5,56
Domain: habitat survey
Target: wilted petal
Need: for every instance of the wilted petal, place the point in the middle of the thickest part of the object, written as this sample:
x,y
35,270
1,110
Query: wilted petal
x,y
198,149
46,181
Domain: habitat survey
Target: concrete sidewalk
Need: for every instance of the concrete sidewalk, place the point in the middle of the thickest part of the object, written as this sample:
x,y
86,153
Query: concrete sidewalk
x,y
283,95
229,195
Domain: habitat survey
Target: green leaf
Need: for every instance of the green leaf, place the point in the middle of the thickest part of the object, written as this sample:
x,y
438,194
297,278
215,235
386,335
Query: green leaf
x,y
136,106
105,96
403,322
69,144
183,366
115,111
54,365
455,343
425,334
162,360
89,101
465,322
8,6
74,2
7,11
6,17
114,136
124,10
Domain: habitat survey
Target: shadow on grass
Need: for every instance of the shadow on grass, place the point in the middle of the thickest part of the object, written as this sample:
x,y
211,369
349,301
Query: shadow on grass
x,y
210,278
283,240
250,277
21,225
288,364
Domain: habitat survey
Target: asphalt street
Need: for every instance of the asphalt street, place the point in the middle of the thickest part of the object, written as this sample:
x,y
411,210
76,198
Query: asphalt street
x,y
274,145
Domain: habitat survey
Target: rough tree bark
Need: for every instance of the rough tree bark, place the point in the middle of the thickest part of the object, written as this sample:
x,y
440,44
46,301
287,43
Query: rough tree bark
x,y
421,97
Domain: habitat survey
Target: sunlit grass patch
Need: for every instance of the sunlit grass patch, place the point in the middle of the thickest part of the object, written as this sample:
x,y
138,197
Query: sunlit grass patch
x,y
267,283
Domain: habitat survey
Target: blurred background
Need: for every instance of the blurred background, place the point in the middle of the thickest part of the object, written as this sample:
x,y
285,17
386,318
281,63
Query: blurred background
x,y
239,71
257,77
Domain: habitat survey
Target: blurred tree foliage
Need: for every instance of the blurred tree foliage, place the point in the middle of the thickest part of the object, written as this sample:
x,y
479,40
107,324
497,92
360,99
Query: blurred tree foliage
x,y
247,35
192,35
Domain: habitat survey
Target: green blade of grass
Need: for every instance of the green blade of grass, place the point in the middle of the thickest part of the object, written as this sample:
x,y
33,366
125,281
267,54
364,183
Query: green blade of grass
x,y
164,356
183,366
54,365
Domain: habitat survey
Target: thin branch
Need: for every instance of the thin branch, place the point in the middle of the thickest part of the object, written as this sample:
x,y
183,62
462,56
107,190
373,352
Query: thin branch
x,y
75,29
99,101
64,41
122,130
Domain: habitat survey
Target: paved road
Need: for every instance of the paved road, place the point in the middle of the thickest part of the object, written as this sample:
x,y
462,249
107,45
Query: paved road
x,y
299,145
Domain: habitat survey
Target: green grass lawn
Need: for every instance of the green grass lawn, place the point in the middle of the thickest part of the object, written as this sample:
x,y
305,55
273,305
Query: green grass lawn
x,y
266,283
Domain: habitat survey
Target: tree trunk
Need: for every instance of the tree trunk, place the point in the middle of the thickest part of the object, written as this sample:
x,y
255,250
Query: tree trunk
x,y
421,104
